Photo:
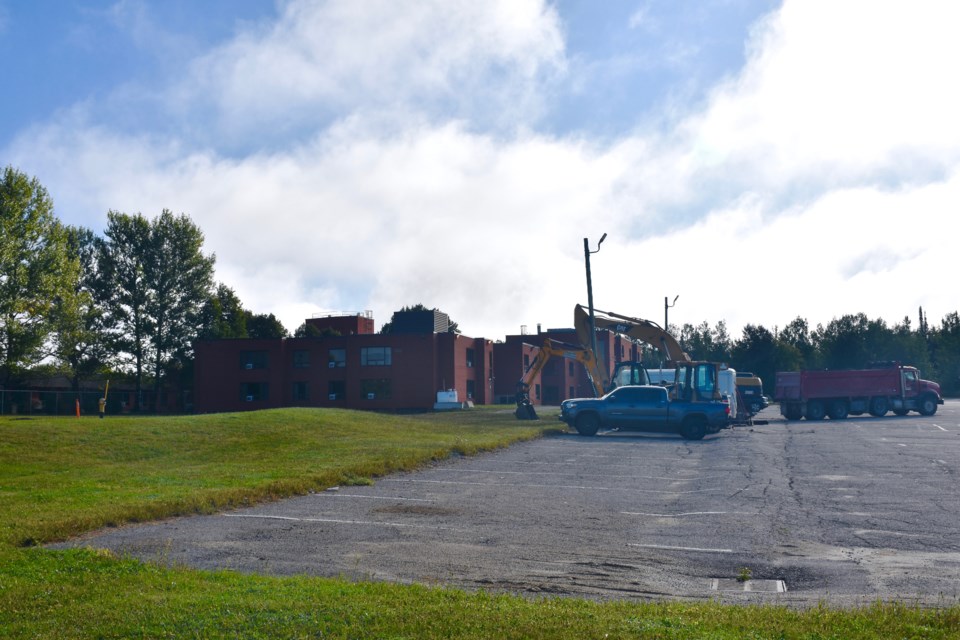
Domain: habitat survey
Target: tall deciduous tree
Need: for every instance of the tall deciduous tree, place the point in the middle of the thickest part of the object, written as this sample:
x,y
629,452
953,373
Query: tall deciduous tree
x,y
35,271
125,294
179,278
79,338
156,280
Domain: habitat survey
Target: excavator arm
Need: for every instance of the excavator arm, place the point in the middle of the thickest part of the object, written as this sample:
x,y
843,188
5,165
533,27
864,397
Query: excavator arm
x,y
551,349
646,331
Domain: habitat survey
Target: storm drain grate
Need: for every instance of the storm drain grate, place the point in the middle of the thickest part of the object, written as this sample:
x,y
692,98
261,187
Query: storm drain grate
x,y
756,586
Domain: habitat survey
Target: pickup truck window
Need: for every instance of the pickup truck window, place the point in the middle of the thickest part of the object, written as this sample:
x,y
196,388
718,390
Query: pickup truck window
x,y
639,395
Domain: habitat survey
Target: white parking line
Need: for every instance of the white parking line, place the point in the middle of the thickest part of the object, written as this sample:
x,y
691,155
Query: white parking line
x,y
329,494
688,513
548,486
334,521
669,548
939,427
584,475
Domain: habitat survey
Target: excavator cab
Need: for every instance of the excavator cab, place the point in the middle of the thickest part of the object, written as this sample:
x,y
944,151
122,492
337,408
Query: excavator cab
x,y
696,382
628,373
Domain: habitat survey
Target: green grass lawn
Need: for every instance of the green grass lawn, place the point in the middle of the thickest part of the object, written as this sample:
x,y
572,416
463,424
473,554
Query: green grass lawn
x,y
60,477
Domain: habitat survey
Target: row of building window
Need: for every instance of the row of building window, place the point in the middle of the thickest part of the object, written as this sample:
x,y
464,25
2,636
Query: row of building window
x,y
370,389
336,358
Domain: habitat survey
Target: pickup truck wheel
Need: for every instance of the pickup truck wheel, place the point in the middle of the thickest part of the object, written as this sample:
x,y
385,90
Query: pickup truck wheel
x,y
879,406
694,429
588,425
815,410
839,410
928,406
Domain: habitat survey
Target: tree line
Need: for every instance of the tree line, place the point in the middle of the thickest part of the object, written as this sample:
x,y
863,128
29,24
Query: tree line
x,y
848,342
135,299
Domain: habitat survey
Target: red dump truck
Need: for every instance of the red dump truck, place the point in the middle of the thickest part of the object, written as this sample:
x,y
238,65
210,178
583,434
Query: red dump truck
x,y
885,387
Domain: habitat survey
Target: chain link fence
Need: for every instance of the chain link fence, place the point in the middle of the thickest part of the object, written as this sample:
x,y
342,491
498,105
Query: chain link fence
x,y
67,403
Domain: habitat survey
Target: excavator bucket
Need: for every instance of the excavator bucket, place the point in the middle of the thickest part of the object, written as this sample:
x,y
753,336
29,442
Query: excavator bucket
x,y
525,411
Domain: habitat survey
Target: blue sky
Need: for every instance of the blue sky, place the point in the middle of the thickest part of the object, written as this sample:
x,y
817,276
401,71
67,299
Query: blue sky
x,y
763,160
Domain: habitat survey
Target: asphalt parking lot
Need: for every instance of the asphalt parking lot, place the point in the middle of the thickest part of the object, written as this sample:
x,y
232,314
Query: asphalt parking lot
x,y
843,512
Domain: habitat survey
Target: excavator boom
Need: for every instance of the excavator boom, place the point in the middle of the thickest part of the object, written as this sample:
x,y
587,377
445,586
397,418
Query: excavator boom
x,y
550,349
646,331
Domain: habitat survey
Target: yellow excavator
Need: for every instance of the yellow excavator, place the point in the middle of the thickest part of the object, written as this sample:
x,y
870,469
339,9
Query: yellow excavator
x,y
693,381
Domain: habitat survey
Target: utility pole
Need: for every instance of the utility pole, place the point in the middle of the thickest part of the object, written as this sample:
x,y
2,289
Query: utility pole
x,y
666,327
593,322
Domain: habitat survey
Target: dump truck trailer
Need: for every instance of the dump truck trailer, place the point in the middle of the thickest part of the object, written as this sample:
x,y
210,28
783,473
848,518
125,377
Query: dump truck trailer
x,y
839,393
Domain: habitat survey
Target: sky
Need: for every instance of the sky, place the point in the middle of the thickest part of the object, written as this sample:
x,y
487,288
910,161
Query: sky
x,y
761,160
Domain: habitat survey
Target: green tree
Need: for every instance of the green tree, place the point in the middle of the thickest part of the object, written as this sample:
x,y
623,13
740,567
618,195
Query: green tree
x,y
80,342
760,352
307,330
797,335
125,291
705,343
265,326
36,272
223,315
945,354
179,278
852,341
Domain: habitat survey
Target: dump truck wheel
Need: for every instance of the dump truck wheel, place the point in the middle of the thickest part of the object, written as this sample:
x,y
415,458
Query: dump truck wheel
x,y
901,412
928,406
793,412
815,410
879,406
839,410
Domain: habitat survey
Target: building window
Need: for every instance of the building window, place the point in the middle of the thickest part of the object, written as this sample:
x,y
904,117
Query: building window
x,y
471,389
375,389
301,359
471,354
537,395
526,361
300,391
336,358
253,359
253,391
336,389
570,368
375,357
572,392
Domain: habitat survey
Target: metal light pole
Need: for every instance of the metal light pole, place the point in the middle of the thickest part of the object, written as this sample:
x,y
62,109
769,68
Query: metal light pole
x,y
593,322
666,327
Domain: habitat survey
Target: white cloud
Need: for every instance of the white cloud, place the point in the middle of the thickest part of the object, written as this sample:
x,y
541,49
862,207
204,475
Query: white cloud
x,y
840,94
815,183
478,60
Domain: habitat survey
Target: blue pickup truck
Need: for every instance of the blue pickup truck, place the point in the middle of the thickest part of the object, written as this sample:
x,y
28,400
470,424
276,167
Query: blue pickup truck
x,y
645,408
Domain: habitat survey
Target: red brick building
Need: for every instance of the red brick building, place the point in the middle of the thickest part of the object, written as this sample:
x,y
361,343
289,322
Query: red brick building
x,y
401,370
359,370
